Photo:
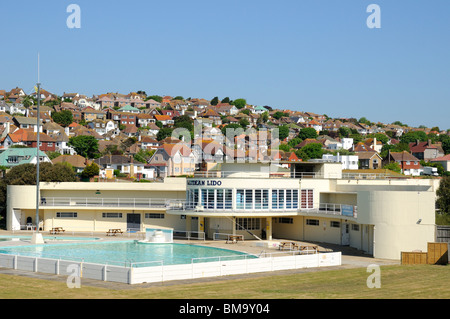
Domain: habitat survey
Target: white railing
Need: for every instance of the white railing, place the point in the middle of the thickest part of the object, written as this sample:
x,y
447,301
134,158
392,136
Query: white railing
x,y
131,272
104,202
256,174
189,234
366,176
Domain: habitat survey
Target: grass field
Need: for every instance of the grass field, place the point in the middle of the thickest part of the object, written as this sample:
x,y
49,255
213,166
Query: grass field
x,y
405,282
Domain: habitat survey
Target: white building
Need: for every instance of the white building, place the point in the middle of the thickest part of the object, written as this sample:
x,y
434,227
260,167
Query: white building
x,y
347,143
348,161
311,202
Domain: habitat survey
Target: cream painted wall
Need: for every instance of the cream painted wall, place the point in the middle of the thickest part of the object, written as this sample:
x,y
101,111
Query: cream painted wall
x,y
288,231
395,217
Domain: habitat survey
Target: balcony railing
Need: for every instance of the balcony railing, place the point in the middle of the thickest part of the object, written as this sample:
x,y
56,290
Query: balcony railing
x,y
104,202
182,205
256,174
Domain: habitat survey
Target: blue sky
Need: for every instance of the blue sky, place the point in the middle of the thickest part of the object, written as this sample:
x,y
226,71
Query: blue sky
x,y
306,55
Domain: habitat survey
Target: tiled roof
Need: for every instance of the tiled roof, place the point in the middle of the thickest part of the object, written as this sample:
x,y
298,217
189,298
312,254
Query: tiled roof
x,y
403,156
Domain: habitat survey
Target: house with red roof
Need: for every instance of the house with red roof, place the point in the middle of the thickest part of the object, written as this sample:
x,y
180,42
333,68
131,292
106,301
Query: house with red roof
x,y
173,160
409,164
27,137
425,150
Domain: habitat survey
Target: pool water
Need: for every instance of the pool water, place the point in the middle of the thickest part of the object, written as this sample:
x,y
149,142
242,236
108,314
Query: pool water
x,y
125,253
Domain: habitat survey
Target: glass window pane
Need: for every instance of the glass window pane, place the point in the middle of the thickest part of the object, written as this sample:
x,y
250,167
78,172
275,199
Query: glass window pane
x,y
248,199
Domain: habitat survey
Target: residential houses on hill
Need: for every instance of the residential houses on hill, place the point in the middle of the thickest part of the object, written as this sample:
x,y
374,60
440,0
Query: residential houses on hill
x,y
114,118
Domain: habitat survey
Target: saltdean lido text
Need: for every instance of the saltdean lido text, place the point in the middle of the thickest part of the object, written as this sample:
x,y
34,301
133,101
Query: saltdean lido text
x,y
204,183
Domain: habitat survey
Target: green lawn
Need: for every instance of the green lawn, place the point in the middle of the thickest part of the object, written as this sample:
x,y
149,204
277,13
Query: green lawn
x,y
406,282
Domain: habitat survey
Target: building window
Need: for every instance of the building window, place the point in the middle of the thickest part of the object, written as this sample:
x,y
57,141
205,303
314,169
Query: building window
x,y
112,215
285,220
248,224
278,198
261,198
154,216
284,198
239,199
307,198
335,224
66,215
312,222
355,227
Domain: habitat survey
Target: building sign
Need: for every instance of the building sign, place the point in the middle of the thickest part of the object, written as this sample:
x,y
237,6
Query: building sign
x,y
204,183
347,210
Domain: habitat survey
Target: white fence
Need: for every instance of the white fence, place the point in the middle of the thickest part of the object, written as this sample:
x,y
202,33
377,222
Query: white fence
x,y
136,273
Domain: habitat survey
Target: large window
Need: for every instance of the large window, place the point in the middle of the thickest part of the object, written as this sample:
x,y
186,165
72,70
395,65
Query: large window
x,y
66,215
261,198
192,198
210,198
112,215
307,199
284,198
248,224
250,199
240,194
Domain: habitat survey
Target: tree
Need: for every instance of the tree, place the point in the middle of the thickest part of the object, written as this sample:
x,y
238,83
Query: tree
x,y
443,195
309,151
84,145
226,100
393,148
232,130
240,103
284,147
412,137
184,121
156,98
278,115
344,132
25,174
63,118
363,120
445,140
295,141
381,137
90,171
163,133
283,132
215,101
244,123
307,132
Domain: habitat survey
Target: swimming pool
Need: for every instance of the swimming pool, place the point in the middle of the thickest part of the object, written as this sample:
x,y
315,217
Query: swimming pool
x,y
125,253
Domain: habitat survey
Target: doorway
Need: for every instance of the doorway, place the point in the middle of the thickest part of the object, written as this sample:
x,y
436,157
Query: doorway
x,y
345,234
134,222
